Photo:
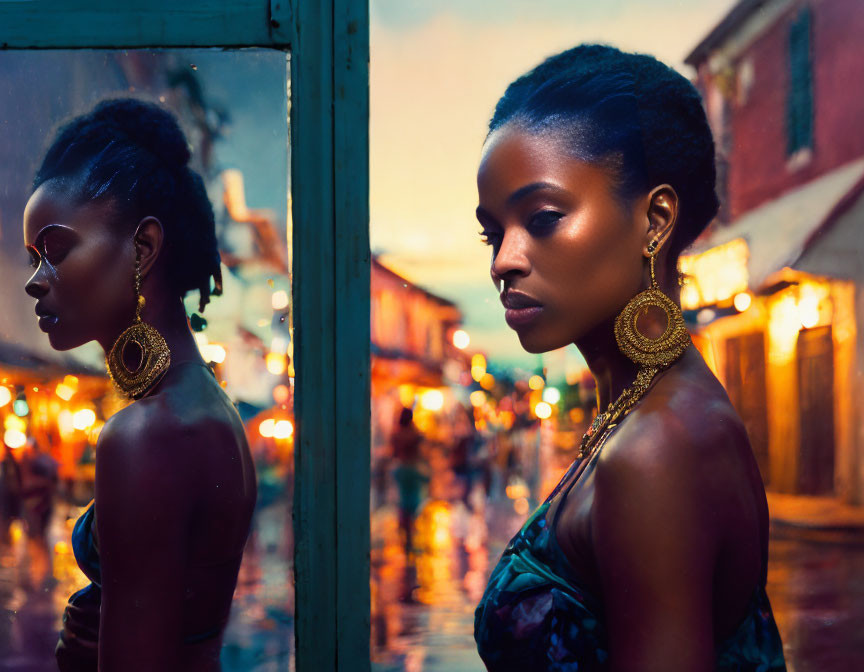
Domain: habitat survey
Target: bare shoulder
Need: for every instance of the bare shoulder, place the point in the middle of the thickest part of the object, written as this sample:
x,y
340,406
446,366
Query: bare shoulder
x,y
156,442
684,444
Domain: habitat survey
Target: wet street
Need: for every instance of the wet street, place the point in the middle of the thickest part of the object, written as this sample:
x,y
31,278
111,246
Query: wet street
x,y
816,589
259,637
423,605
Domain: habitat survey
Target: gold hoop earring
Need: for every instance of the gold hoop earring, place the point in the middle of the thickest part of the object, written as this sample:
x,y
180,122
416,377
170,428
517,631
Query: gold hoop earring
x,y
644,350
155,354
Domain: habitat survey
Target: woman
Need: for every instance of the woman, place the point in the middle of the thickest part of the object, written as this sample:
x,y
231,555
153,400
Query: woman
x,y
119,228
651,553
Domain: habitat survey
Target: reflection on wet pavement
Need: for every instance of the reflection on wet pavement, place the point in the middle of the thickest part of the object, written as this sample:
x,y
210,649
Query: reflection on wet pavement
x,y
423,608
817,594
259,636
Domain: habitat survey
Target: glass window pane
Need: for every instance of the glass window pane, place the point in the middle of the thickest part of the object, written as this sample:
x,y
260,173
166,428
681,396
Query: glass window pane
x,y
233,107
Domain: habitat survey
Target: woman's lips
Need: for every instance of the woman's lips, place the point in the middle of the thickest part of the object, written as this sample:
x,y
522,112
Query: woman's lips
x,y
522,309
46,320
518,318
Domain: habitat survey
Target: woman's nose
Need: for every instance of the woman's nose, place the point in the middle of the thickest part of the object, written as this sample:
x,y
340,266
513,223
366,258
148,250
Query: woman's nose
x,y
511,258
36,286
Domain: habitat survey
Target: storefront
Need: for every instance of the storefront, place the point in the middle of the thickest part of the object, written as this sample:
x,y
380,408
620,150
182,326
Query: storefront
x,y
776,297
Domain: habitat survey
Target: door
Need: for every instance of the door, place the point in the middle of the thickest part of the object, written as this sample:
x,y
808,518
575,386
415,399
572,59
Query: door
x,y
816,404
745,384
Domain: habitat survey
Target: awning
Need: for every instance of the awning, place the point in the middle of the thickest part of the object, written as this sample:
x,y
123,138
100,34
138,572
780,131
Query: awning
x,y
778,232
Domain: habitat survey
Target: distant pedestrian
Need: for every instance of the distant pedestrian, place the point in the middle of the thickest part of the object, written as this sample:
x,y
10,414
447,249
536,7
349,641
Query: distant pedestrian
x,y
409,473
39,480
10,493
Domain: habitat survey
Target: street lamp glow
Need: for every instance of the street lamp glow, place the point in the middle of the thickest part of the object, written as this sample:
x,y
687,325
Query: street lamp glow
x,y
279,300
487,382
543,410
83,419
14,439
432,400
63,391
551,395
461,339
478,398
536,382
275,363
283,429
14,422
742,301
266,428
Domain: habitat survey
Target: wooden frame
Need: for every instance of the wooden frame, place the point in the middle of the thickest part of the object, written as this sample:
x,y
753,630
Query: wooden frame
x,y
329,45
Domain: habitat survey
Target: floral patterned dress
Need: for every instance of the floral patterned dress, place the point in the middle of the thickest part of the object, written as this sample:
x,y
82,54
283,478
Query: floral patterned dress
x,y
535,615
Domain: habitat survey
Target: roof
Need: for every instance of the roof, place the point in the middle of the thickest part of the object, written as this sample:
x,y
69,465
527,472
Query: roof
x,y
728,25
378,264
779,231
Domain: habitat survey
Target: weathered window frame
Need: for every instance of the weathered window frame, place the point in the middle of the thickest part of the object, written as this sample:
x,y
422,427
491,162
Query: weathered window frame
x,y
329,45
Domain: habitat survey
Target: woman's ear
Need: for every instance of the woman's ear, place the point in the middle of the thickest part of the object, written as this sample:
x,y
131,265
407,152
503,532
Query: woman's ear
x,y
148,237
662,214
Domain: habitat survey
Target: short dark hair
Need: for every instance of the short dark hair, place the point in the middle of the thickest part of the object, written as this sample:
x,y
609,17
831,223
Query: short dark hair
x,y
629,113
135,153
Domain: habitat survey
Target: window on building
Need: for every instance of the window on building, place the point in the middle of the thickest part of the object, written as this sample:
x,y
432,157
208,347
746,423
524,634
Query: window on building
x,y
799,103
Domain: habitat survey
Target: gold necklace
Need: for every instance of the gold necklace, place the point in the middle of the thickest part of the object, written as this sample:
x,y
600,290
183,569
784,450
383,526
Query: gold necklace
x,y
617,409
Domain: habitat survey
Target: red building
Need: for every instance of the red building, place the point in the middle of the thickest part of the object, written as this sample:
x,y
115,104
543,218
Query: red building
x,y
776,282
779,79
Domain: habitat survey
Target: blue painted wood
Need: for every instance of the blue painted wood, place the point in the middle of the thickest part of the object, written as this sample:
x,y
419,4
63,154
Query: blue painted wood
x,y
352,283
135,23
330,159
314,336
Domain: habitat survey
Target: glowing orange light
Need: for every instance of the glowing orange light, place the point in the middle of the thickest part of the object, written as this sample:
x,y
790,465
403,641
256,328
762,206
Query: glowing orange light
x,y
266,428
280,394
543,410
283,429
742,301
83,419
432,400
14,439
275,363
64,391
461,339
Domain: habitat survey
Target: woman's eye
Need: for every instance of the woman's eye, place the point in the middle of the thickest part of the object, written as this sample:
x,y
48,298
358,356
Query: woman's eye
x,y
489,237
544,221
54,250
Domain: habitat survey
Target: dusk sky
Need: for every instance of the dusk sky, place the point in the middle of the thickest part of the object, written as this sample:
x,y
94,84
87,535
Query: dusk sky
x,y
437,70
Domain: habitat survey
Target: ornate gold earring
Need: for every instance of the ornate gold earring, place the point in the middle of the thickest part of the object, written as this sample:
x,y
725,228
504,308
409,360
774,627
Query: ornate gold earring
x,y
155,354
651,352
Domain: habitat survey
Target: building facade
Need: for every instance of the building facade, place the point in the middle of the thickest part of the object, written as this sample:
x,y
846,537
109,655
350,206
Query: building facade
x,y
774,286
